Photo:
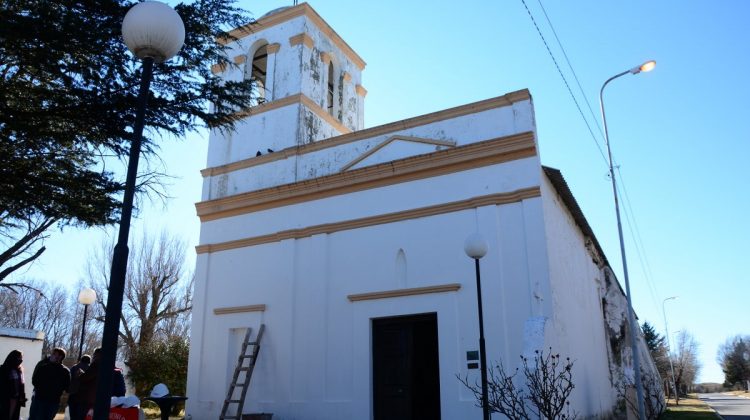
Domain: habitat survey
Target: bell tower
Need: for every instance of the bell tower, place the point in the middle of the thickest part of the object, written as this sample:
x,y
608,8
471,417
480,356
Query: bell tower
x,y
309,85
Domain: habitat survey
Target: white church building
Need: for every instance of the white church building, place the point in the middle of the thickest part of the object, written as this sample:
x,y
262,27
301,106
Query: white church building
x,y
347,244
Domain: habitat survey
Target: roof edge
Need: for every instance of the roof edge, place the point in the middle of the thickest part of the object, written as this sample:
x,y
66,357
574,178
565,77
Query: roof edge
x,y
563,190
21,333
290,13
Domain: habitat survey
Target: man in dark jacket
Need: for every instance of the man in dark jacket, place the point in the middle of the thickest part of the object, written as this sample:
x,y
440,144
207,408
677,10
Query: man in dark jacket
x,y
75,406
87,383
89,379
118,383
50,379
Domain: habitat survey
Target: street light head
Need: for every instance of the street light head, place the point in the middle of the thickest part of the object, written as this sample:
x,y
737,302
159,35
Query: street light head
x,y
645,67
87,296
152,29
648,66
475,246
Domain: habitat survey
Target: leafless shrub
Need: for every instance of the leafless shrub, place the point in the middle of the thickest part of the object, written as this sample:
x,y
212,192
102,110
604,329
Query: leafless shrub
x,y
548,383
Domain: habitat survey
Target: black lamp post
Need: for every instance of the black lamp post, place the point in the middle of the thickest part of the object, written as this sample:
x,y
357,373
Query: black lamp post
x,y
153,32
85,298
476,248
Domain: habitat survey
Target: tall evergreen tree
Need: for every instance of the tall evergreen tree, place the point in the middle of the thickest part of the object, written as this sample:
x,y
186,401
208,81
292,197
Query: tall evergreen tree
x,y
68,90
734,358
657,347
654,341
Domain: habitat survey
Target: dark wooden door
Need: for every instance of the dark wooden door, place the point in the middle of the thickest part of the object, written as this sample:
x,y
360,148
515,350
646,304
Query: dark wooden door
x,y
406,376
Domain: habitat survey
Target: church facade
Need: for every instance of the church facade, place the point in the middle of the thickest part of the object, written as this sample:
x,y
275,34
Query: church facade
x,y
346,243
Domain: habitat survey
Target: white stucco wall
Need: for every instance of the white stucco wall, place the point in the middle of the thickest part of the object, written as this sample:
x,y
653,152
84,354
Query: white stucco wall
x,y
251,135
467,129
28,342
292,62
292,70
540,287
589,324
371,202
316,356
578,320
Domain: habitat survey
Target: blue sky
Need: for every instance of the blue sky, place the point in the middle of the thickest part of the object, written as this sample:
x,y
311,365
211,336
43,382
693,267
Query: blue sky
x,y
680,133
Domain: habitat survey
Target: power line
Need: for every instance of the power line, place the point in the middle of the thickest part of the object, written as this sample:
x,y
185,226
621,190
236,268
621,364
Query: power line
x,y
629,214
570,91
575,76
635,234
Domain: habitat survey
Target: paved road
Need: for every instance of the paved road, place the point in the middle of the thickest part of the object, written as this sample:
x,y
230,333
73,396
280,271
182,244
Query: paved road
x,y
728,406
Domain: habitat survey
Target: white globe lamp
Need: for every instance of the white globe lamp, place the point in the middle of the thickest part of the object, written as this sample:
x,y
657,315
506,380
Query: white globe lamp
x,y
154,30
475,246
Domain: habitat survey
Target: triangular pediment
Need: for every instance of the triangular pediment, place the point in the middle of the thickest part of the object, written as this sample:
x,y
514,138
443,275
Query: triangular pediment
x,y
398,147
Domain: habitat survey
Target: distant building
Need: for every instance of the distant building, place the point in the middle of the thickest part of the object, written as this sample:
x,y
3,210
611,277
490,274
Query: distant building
x,y
347,243
28,342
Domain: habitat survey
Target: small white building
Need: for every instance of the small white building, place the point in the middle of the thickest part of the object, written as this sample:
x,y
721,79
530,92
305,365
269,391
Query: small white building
x,y
347,243
28,342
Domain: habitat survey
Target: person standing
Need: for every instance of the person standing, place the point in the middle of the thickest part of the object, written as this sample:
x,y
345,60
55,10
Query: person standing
x,y
12,395
118,383
87,383
75,405
50,380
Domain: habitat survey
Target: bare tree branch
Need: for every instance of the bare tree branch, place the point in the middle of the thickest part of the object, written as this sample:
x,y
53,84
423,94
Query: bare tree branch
x,y
14,267
21,242
158,298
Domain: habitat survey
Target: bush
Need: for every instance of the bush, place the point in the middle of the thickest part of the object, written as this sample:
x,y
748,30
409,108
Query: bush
x,y
160,362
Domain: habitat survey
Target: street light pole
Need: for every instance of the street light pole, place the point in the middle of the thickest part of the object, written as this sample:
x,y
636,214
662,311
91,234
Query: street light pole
x,y
120,260
86,298
647,66
153,32
669,345
476,248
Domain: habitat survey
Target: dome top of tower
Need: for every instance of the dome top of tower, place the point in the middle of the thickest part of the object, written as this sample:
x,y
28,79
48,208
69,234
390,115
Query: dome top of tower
x,y
276,10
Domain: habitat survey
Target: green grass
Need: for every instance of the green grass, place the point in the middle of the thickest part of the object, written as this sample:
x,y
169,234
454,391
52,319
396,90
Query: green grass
x,y
689,409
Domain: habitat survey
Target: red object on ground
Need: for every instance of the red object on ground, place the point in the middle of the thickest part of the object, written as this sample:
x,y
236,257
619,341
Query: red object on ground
x,y
119,413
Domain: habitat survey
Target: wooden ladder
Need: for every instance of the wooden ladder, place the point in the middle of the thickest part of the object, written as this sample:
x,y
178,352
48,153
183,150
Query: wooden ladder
x,y
245,381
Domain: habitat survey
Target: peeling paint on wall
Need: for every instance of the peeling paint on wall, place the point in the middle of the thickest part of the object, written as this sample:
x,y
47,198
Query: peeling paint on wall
x,y
533,335
351,114
314,65
311,126
222,184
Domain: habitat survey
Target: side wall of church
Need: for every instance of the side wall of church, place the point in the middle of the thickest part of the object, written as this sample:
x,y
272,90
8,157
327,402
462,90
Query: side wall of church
x,y
577,325
589,322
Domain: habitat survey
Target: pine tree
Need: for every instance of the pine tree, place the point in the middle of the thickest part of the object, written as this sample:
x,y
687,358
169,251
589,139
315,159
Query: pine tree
x,y
734,358
654,341
68,89
657,347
